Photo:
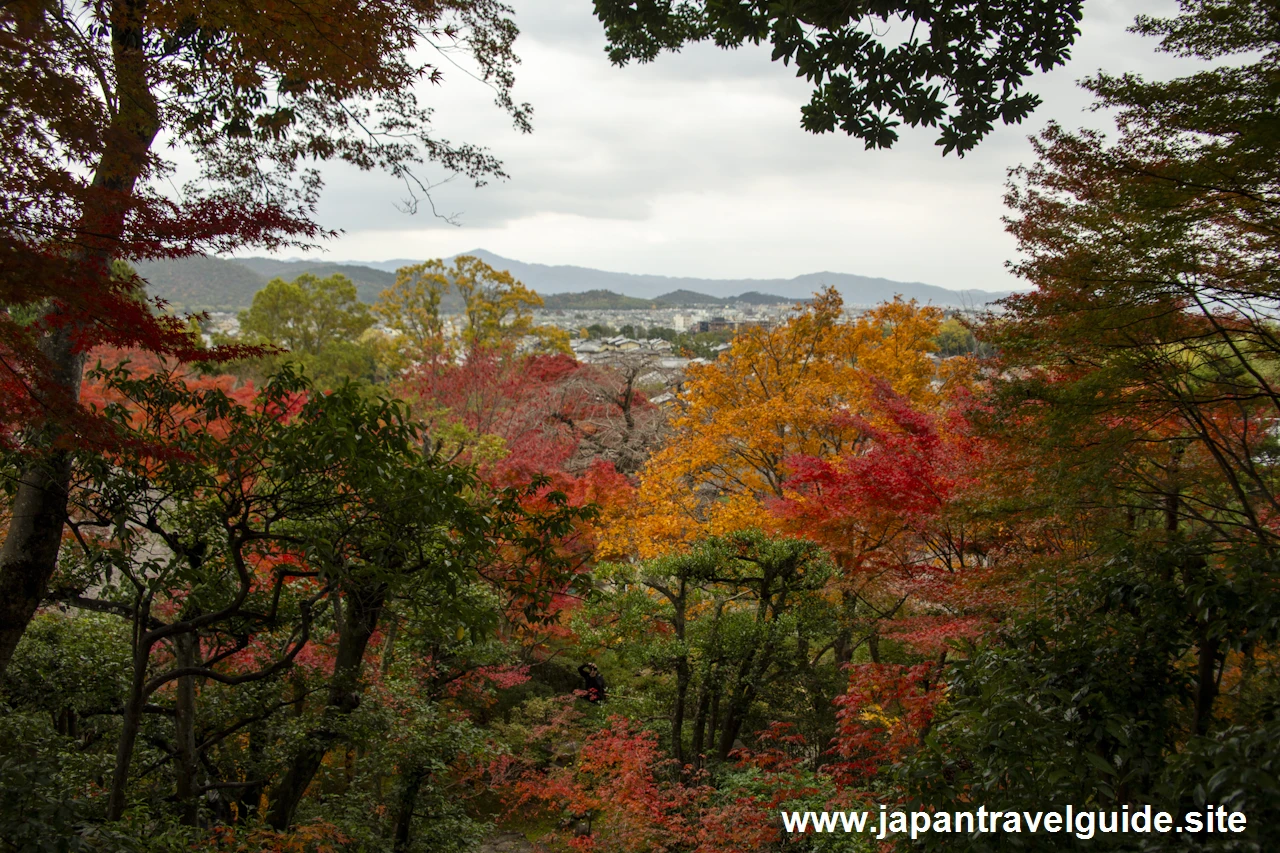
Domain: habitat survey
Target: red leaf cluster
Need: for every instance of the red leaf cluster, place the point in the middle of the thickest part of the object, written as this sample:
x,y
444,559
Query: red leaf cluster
x,y
885,712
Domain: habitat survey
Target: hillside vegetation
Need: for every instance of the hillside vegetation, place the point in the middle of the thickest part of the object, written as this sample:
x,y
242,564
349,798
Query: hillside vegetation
x,y
200,283
595,299
388,578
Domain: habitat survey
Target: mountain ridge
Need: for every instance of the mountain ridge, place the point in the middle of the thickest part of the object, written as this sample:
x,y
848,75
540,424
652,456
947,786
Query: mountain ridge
x,y
856,289
607,300
229,283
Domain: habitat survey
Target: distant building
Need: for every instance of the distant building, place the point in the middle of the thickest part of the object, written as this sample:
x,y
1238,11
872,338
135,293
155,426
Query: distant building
x,y
610,349
716,324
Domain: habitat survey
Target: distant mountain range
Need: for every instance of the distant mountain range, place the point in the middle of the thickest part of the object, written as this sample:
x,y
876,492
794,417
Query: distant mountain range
x,y
607,300
229,284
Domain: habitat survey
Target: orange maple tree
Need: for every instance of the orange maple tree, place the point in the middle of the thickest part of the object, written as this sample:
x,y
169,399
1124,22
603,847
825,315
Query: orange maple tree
x,y
796,390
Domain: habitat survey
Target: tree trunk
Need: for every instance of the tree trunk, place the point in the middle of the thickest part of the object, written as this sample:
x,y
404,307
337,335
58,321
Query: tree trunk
x,y
728,733
1173,495
677,720
679,623
30,552
359,621
708,692
738,701
714,721
1206,681
751,670
186,763
739,704
389,645
250,797
129,723
410,782
844,648
700,724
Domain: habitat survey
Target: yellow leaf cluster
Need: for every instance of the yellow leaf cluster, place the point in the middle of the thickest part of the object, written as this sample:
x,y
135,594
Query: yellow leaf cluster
x,y
411,306
798,389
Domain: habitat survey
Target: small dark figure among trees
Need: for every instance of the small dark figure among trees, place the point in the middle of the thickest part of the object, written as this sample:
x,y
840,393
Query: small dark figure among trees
x,y
593,682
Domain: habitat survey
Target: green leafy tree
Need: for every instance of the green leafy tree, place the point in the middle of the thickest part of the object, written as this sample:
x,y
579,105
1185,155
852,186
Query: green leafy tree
x,y
954,338
1084,702
1151,331
243,537
322,324
734,630
307,314
73,668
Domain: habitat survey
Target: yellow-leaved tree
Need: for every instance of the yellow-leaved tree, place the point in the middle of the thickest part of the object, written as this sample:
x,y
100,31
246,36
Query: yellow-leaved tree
x,y
494,304
798,389
411,306
494,309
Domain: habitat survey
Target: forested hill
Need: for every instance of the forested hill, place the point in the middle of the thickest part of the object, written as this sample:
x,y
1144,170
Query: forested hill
x,y
227,284
369,281
202,282
595,299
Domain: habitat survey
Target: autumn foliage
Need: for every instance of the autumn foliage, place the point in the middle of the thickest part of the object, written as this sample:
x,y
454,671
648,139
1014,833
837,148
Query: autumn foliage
x,y
797,390
635,799
272,598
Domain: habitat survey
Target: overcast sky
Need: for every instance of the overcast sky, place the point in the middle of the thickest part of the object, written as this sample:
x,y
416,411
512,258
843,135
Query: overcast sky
x,y
696,165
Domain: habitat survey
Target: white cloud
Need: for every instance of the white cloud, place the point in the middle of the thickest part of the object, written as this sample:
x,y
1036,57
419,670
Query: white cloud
x,y
696,165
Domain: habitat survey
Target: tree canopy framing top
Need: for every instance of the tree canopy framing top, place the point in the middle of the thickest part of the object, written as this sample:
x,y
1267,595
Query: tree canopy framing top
x,y
250,92
960,68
